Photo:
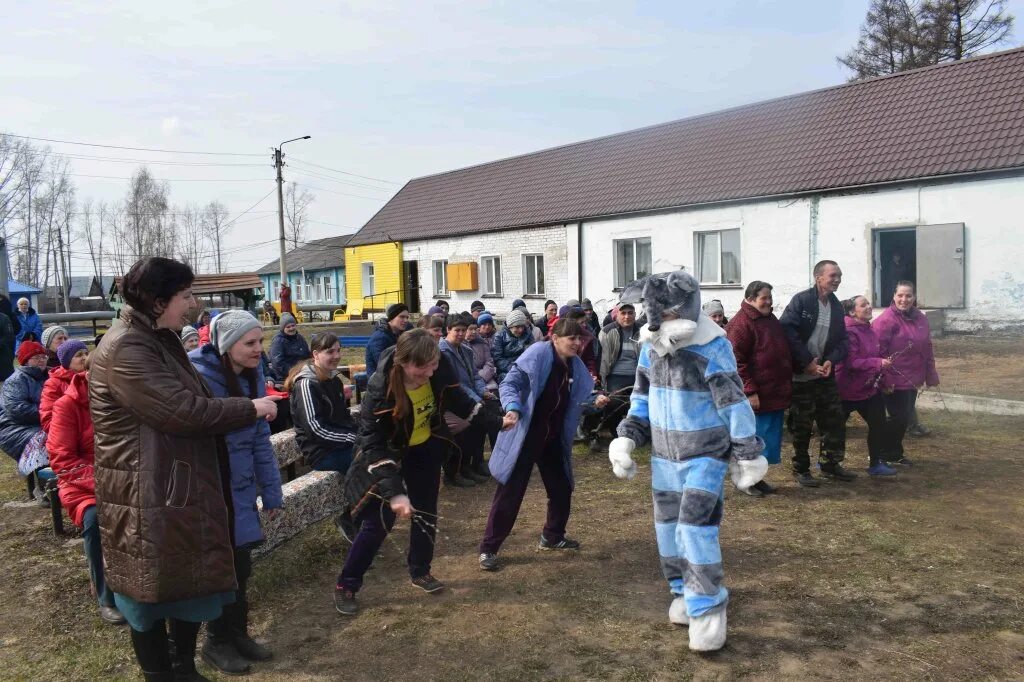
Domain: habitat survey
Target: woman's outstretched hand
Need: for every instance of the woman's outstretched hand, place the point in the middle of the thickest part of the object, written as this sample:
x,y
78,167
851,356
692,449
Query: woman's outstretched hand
x,y
266,408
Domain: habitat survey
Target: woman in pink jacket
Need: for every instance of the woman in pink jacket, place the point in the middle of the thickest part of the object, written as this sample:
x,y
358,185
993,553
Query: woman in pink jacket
x,y
860,378
905,338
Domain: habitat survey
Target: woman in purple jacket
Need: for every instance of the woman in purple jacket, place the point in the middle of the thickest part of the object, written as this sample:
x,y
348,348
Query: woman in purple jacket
x,y
905,338
860,377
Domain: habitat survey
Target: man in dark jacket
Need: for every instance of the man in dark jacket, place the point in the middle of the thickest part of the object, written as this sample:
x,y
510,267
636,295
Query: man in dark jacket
x,y
287,348
385,334
814,327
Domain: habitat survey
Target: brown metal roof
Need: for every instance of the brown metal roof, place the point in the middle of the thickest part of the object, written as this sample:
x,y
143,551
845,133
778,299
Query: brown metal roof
x,y
216,284
952,118
317,254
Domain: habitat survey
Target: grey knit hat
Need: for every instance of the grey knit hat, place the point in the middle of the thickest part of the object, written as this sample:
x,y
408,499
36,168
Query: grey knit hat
x,y
287,319
51,332
516,318
188,332
230,326
714,306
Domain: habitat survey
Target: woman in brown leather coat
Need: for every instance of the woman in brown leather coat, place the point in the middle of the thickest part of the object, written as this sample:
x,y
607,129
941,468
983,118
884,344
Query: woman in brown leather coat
x,y
161,471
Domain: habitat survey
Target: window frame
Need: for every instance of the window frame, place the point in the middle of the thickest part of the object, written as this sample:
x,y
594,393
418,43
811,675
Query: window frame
x,y
440,289
538,274
328,281
367,272
698,258
617,285
487,290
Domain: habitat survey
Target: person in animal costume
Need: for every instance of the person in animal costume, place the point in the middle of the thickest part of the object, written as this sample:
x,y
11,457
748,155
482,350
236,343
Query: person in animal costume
x,y
688,403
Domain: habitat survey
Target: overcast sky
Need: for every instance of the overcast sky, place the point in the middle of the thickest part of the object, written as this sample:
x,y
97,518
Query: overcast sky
x,y
388,89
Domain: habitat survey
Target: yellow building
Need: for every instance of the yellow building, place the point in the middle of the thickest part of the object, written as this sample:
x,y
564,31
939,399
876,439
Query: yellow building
x,y
373,277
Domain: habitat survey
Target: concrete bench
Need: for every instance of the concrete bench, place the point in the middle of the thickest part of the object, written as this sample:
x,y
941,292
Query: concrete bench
x,y
308,499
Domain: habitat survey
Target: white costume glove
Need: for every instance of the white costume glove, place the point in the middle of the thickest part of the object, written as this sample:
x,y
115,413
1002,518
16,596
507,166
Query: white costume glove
x,y
747,472
619,450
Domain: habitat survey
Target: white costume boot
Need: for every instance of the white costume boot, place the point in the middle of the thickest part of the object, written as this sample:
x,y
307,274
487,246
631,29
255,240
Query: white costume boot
x,y
707,632
677,612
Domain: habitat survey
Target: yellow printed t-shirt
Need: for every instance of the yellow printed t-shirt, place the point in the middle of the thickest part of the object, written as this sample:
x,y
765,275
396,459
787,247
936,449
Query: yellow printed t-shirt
x,y
422,407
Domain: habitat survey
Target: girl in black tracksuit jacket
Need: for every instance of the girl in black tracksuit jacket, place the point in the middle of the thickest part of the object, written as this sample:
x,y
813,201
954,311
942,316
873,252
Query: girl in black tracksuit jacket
x,y
324,428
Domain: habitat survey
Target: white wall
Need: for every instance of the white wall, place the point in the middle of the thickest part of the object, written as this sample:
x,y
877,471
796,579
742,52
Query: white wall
x,y
510,246
773,247
776,245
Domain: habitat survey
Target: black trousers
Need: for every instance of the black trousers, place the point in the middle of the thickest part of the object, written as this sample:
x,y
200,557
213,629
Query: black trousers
x,y
421,473
900,406
153,648
872,411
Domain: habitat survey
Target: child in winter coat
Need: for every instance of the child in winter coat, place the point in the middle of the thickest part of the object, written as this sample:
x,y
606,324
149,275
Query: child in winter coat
x,y
403,440
510,342
71,445
688,402
231,366
72,357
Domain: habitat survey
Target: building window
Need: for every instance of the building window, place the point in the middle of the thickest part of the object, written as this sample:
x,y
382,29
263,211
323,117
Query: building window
x,y
319,282
368,279
632,260
275,290
328,288
440,278
718,257
492,275
533,274
297,289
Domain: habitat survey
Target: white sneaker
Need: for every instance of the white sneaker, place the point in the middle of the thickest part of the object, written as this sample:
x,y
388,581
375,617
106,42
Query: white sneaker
x,y
707,632
677,612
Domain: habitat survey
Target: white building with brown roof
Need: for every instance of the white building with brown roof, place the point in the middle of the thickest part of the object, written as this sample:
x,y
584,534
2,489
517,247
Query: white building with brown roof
x,y
918,175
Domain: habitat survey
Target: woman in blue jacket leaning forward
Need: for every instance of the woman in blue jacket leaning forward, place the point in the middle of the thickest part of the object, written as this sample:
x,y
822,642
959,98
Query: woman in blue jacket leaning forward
x,y
231,366
545,389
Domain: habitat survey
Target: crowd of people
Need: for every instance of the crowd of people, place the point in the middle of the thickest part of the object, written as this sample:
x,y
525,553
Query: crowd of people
x,y
160,438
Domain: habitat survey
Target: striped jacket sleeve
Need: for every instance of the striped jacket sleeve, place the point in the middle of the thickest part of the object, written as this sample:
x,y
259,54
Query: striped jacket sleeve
x,y
312,420
731,403
637,424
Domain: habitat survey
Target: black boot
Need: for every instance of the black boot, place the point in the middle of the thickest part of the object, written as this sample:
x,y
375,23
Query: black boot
x,y
244,644
183,651
219,651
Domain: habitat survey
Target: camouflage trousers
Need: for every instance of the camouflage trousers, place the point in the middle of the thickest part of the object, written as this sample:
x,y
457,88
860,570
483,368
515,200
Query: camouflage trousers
x,y
817,402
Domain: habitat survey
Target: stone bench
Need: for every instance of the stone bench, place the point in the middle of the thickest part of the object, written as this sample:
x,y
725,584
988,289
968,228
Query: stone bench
x,y
308,499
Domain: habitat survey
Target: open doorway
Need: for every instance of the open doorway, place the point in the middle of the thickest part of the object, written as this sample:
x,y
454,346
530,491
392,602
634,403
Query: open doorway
x,y
895,260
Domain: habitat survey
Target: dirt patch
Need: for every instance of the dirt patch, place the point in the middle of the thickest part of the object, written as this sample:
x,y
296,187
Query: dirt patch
x,y
981,365
916,578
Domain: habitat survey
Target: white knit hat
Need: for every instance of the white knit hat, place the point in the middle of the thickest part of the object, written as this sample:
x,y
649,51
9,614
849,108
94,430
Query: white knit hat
x,y
230,326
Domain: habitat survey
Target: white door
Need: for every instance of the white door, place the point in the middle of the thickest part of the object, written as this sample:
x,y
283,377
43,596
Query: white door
x,y
940,266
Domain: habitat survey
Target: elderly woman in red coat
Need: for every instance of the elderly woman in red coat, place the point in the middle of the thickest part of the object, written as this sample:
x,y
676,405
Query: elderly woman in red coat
x,y
71,447
764,364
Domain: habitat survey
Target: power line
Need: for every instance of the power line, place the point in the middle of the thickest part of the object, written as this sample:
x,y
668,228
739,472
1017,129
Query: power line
x,y
134,149
355,175
158,162
344,194
117,177
314,174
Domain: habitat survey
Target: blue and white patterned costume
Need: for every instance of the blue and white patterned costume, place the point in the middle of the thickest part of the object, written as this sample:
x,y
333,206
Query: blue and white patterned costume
x,y
688,403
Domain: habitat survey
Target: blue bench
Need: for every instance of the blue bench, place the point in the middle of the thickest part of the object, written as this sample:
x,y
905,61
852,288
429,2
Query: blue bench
x,y
353,341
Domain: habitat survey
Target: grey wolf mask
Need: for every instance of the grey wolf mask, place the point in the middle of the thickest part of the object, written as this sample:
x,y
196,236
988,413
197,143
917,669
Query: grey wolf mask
x,y
666,292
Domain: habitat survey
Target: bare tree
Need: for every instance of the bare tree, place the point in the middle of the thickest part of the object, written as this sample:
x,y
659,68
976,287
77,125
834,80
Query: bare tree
x,y
192,244
90,229
215,218
146,226
296,205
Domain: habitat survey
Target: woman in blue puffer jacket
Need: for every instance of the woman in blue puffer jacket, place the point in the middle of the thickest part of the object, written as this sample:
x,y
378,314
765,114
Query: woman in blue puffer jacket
x,y
231,365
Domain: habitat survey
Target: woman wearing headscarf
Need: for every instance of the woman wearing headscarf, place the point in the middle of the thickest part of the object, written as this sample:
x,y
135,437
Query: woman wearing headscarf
x,y
163,482
29,324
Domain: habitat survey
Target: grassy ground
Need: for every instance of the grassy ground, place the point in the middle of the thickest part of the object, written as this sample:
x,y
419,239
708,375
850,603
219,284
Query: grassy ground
x,y
917,578
981,365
